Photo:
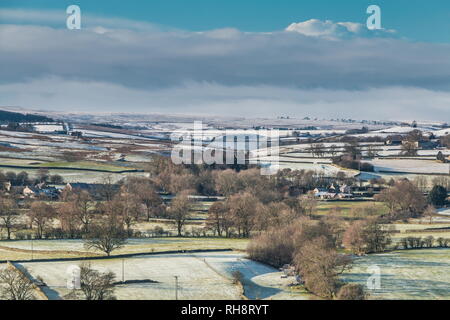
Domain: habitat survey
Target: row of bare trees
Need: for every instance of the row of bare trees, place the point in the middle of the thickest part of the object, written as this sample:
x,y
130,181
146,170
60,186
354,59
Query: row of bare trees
x,y
243,213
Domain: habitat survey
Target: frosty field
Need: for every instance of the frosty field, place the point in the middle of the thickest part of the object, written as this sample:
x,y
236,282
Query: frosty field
x,y
49,249
410,166
200,276
413,274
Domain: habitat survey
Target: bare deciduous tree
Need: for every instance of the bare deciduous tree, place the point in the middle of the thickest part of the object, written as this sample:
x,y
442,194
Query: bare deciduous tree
x,y
179,211
106,236
16,286
96,285
83,205
8,215
40,215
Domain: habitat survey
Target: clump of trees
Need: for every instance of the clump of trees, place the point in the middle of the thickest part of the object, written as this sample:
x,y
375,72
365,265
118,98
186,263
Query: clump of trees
x,y
403,198
320,265
23,179
410,145
40,215
311,247
418,242
349,162
367,236
438,196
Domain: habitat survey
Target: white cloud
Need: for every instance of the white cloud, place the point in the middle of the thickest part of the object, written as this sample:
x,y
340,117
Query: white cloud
x,y
335,30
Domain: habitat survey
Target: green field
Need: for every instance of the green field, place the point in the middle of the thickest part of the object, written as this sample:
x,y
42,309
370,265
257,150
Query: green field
x,y
348,208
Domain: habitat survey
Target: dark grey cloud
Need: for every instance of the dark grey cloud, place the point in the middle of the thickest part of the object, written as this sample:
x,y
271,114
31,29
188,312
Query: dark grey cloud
x,y
323,68
229,57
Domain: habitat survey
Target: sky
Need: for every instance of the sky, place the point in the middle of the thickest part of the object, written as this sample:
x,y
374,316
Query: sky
x,y
246,58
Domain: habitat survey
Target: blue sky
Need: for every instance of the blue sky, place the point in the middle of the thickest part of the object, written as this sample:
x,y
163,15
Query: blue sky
x,y
418,20
227,57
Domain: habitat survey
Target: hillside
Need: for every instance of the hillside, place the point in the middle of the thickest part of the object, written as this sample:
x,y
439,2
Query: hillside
x,y
7,116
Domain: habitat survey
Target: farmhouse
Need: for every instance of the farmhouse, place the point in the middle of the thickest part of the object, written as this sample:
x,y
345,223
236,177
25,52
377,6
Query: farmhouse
x,y
40,191
324,193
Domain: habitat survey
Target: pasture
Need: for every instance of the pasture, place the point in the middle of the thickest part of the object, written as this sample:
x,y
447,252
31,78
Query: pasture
x,y
52,249
199,276
410,274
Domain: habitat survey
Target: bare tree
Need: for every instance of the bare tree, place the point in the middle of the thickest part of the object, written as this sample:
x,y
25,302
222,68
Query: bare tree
x,y
96,285
218,219
106,236
333,150
227,182
182,182
107,190
83,205
308,203
68,220
317,149
40,215
371,151
128,207
430,212
421,182
150,199
179,211
16,286
352,148
8,215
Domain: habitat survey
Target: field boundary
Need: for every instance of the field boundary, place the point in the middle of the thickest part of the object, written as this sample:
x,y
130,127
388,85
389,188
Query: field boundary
x,y
238,283
80,253
119,256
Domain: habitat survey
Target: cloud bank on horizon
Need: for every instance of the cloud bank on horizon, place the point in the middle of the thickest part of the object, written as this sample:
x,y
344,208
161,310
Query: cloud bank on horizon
x,y
312,68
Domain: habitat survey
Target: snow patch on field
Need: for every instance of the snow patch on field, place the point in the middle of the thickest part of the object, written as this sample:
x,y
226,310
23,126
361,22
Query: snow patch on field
x,y
410,166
